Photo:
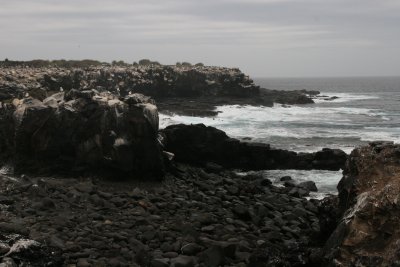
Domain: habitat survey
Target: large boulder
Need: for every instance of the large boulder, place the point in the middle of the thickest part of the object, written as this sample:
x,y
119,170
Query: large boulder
x,y
329,159
199,144
368,233
82,131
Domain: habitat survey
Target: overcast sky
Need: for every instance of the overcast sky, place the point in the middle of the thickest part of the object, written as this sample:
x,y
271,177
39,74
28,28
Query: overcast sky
x,y
264,38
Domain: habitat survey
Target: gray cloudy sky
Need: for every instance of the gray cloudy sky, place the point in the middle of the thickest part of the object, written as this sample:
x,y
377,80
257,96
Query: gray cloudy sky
x,y
265,38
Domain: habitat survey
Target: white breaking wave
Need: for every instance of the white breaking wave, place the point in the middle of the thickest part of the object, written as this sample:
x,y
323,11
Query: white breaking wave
x,y
343,97
296,122
381,133
278,113
326,181
302,128
308,128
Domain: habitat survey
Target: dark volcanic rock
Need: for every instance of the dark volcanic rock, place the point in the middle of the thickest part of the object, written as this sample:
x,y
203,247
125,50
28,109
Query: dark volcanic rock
x,y
198,144
285,178
368,233
196,217
328,158
180,222
288,97
309,185
82,131
190,90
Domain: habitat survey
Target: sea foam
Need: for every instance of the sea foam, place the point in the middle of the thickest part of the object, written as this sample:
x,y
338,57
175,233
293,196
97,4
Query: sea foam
x,y
300,128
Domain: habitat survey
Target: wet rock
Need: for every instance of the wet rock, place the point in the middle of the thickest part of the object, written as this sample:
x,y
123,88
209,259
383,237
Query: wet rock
x,y
198,143
308,185
299,192
265,182
329,159
285,178
290,183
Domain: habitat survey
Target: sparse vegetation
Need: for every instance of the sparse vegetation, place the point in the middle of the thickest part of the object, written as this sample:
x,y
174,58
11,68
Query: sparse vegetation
x,y
144,62
186,64
119,63
85,63
148,62
62,63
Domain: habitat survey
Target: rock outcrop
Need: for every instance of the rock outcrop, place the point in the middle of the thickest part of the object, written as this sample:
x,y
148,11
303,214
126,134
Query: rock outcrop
x,y
289,97
82,131
368,233
176,89
156,81
198,144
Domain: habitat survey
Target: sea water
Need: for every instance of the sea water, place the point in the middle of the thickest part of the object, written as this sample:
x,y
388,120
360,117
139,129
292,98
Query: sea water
x,y
367,109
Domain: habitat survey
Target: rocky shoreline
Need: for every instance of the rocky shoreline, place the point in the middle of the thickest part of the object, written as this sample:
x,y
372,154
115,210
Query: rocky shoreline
x,y
194,218
87,178
202,217
188,90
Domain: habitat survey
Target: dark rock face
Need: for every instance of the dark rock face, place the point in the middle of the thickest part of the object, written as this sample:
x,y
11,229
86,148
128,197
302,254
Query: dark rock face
x,y
197,144
82,131
368,232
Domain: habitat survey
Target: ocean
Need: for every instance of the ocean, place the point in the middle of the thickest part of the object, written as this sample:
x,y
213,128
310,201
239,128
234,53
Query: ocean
x,y
367,109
